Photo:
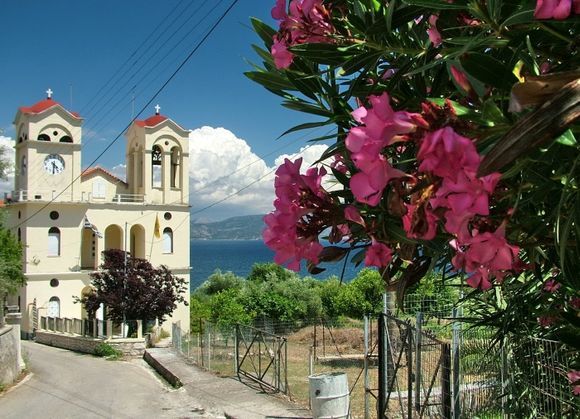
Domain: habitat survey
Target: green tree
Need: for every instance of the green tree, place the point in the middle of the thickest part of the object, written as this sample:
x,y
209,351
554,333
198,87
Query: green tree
x,y
269,272
329,292
199,310
226,309
220,281
133,289
11,275
363,295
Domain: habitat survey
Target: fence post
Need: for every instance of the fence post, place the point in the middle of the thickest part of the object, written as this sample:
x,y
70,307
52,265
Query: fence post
x,y
446,381
418,349
236,350
455,348
366,367
503,372
383,366
409,371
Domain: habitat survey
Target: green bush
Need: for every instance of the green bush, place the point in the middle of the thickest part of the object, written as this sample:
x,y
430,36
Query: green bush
x,y
105,350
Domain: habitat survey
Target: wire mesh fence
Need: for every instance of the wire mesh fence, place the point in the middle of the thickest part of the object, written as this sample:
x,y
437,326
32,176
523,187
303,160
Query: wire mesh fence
x,y
439,367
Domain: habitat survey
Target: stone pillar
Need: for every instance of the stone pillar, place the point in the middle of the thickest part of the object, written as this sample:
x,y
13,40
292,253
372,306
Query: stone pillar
x,y
139,329
14,318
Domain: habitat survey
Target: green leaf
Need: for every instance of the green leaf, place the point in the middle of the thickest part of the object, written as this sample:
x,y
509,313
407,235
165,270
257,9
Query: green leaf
x,y
328,54
361,61
307,125
492,113
270,81
305,107
438,4
306,85
460,110
567,139
524,16
488,70
264,31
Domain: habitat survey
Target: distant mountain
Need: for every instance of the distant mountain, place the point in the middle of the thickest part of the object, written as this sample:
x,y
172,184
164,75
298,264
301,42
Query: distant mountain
x,y
248,227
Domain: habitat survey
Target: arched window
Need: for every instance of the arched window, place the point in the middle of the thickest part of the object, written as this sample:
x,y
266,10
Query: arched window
x,y
66,139
167,240
53,309
54,242
156,166
23,165
43,137
175,162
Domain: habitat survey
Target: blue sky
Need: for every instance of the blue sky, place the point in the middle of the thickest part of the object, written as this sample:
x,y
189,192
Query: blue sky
x,y
80,45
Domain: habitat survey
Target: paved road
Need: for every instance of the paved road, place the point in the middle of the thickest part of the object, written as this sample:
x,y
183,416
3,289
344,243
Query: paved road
x,y
66,384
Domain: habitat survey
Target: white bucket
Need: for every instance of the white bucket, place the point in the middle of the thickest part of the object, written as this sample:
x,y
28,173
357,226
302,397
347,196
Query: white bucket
x,y
329,395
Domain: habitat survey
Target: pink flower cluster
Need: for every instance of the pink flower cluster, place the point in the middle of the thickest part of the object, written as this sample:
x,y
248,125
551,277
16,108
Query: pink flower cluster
x,y
297,198
556,9
460,196
308,21
382,127
574,378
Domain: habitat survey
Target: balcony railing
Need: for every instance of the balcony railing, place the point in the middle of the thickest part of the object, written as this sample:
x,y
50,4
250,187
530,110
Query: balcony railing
x,y
43,195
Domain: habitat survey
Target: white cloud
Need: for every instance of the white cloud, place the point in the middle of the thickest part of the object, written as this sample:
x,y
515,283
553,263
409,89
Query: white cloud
x,y
120,171
7,145
220,165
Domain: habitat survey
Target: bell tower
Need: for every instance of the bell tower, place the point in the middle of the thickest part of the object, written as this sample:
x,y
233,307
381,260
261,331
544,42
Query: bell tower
x,y
48,152
158,159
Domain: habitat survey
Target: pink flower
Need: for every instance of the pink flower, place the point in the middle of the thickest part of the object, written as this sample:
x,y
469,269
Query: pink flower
x,y
485,256
352,214
367,186
491,250
479,279
279,10
307,22
546,321
574,378
575,303
338,164
553,9
282,57
461,79
292,229
446,153
382,122
434,35
378,254
551,285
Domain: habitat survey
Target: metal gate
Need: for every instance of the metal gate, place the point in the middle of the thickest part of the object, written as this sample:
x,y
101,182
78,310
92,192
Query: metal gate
x,y
262,357
414,372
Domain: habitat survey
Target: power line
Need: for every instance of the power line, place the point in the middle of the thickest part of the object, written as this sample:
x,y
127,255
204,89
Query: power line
x,y
193,51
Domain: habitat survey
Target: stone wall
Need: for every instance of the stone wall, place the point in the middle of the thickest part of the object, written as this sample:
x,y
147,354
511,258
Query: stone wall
x,y
129,347
9,363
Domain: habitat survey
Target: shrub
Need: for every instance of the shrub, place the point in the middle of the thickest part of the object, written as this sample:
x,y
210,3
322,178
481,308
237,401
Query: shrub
x,y
105,350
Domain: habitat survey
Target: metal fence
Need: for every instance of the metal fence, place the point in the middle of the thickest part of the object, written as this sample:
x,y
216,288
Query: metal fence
x,y
451,369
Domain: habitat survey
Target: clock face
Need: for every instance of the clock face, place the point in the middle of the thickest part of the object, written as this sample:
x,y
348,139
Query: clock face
x,y
53,164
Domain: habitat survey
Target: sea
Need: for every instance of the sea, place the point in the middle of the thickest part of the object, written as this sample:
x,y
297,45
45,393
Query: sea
x,y
238,256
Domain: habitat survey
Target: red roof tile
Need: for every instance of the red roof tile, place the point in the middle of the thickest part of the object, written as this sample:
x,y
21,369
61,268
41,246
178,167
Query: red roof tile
x,y
95,169
42,106
151,121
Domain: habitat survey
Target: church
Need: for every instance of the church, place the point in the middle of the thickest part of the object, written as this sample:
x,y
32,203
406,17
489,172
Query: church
x,y
66,216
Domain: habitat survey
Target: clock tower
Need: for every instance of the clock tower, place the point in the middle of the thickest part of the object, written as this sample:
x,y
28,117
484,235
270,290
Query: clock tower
x,y
48,152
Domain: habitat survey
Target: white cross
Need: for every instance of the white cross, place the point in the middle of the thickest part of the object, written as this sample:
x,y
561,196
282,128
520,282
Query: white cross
x,y
157,108
49,93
